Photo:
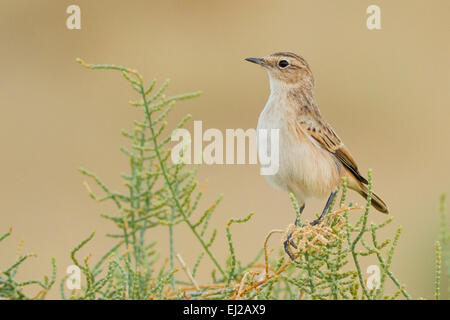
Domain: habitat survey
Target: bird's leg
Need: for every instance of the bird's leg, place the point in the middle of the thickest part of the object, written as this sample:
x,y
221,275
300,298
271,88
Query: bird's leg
x,y
325,210
289,240
300,211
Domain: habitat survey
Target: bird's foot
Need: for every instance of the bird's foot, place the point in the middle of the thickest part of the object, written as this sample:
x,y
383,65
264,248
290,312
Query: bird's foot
x,y
290,242
316,221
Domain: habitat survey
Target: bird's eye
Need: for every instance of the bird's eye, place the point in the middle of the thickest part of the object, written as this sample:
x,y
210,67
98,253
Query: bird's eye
x,y
283,63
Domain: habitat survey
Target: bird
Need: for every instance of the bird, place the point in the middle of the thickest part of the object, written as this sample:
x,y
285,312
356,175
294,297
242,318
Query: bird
x,y
312,158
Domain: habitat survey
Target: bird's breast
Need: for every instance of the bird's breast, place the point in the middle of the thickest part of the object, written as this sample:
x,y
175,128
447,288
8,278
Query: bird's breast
x,y
305,169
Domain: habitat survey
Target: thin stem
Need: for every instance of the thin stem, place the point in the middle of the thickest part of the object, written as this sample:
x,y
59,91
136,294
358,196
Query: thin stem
x,y
171,248
169,184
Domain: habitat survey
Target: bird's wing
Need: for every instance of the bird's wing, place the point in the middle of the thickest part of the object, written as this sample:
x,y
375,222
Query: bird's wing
x,y
326,138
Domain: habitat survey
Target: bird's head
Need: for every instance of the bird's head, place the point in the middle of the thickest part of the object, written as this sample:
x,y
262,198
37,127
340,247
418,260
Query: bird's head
x,y
286,69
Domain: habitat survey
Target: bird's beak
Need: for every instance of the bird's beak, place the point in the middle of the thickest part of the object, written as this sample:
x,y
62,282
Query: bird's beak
x,y
259,61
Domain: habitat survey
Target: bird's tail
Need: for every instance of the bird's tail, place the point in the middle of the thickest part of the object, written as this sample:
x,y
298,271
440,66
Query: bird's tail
x,y
377,203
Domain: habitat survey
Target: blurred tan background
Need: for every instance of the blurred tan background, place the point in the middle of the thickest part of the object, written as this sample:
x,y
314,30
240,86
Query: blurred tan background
x,y
385,92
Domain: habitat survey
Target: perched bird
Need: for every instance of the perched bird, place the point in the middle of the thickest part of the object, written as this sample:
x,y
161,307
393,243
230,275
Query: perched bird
x,y
313,159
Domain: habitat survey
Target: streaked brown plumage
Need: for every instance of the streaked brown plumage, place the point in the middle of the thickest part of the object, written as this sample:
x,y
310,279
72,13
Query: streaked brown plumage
x,y
313,157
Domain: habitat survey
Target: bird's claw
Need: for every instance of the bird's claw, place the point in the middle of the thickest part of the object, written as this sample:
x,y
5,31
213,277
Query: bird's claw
x,y
289,242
